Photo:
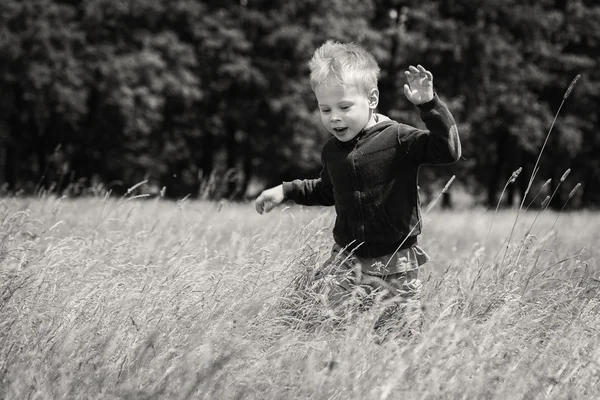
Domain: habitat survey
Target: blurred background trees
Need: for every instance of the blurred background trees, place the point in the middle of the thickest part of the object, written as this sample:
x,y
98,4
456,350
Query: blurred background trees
x,y
211,98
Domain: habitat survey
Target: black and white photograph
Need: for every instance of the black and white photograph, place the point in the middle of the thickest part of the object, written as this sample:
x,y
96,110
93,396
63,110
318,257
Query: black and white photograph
x,y
300,199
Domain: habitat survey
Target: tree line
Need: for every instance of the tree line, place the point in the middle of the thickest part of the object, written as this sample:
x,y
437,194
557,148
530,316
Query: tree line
x,y
210,98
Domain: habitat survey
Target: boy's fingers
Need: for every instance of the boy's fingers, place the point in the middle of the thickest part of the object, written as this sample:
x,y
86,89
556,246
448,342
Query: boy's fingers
x,y
424,72
407,90
258,204
269,206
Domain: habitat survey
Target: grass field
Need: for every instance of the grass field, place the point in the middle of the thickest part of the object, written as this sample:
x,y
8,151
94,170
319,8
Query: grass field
x,y
106,298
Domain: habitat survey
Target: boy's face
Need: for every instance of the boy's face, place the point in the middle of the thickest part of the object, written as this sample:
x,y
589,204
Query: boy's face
x,y
345,110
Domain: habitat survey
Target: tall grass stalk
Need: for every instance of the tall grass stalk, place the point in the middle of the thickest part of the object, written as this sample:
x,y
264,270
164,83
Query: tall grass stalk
x,y
535,167
562,179
526,235
121,201
548,181
544,207
512,179
571,194
431,205
565,96
181,301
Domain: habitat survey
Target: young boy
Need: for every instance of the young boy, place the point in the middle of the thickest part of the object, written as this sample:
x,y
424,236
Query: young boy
x,y
370,169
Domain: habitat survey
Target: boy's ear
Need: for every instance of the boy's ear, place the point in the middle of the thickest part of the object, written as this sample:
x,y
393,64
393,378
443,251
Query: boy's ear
x,y
373,98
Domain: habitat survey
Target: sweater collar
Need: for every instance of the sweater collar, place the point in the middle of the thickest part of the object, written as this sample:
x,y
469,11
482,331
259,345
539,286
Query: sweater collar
x,y
381,122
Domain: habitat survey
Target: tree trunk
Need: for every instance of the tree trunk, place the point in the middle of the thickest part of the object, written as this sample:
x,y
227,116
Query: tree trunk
x,y
14,144
557,200
229,180
498,168
40,153
513,160
388,81
447,201
587,183
10,166
245,172
46,173
523,181
206,164
510,195
11,153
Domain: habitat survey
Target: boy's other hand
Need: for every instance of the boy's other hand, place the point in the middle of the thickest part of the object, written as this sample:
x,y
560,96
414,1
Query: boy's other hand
x,y
268,199
419,89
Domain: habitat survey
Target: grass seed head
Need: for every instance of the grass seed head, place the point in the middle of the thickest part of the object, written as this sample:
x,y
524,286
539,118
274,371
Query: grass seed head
x,y
546,201
546,183
571,86
574,190
515,175
564,176
448,184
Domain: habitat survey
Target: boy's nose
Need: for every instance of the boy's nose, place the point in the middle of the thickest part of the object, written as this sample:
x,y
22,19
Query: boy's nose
x,y
335,118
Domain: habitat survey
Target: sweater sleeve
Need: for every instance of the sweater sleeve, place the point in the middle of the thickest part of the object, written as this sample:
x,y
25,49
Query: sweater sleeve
x,y
439,143
311,192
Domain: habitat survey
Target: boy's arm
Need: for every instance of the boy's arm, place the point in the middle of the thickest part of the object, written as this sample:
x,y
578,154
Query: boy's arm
x,y
308,192
440,143
311,192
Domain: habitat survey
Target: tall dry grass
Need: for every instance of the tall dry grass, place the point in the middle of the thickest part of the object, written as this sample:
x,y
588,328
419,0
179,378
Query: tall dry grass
x,y
106,299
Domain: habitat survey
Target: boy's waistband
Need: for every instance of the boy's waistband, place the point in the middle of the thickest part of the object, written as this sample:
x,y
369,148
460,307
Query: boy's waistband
x,y
394,262
379,250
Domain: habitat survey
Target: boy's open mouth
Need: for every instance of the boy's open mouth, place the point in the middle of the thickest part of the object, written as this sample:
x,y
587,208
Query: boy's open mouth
x,y
340,131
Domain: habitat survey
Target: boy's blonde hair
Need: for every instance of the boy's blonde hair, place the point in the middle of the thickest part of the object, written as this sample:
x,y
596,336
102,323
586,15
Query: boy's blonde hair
x,y
337,63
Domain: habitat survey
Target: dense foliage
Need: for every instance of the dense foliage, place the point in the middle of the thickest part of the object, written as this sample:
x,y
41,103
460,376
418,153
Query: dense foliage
x,y
211,98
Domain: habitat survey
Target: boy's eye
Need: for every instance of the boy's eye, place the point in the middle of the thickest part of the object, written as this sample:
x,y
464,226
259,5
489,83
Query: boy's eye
x,y
324,111
345,107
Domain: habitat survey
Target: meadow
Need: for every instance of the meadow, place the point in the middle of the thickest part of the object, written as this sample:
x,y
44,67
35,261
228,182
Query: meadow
x,y
104,298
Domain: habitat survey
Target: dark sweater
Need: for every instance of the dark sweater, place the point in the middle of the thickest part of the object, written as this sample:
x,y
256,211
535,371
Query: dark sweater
x,y
372,180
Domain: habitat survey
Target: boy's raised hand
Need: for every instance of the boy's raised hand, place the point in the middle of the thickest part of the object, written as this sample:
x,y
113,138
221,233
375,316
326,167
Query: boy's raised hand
x,y
268,199
419,88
